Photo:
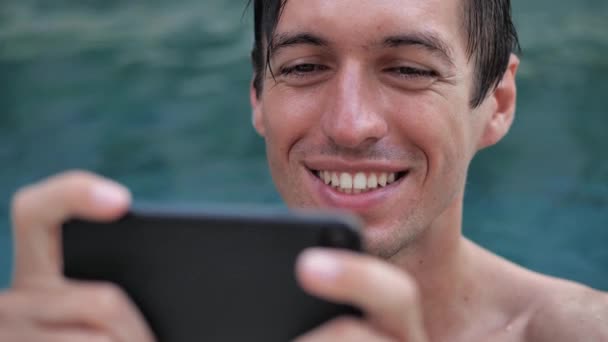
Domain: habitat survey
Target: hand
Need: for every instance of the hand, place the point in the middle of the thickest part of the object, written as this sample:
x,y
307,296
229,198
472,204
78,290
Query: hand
x,y
44,306
387,296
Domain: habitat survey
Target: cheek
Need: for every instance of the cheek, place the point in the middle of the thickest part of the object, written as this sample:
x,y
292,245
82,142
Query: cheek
x,y
288,120
437,127
288,117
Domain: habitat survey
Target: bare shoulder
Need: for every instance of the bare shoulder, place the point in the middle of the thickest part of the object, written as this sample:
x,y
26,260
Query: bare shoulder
x,y
541,308
566,311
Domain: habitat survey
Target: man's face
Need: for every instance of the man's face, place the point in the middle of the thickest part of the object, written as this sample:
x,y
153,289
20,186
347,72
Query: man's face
x,y
371,97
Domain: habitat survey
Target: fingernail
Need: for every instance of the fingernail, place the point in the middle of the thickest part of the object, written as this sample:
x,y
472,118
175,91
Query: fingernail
x,y
321,264
109,194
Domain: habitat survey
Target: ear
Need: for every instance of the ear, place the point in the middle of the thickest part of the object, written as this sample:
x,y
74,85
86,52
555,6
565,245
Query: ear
x,y
257,117
503,100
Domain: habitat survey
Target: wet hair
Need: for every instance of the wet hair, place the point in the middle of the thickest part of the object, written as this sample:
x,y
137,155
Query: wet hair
x,y
490,32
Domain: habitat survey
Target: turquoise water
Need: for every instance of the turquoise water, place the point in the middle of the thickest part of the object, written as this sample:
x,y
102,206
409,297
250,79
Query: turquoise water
x,y
155,96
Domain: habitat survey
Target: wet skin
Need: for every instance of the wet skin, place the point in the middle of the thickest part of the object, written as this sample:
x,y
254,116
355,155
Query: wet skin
x,y
360,88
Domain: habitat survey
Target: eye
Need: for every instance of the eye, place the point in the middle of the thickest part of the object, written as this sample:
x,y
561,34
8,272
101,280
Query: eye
x,y
301,70
411,72
411,78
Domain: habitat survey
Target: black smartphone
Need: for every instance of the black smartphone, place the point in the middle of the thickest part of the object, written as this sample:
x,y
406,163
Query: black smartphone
x,y
211,275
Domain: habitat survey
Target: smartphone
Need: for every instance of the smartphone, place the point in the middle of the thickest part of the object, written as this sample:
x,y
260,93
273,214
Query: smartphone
x,y
211,275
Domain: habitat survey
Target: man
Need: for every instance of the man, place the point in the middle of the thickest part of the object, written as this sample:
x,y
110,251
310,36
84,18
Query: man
x,y
373,106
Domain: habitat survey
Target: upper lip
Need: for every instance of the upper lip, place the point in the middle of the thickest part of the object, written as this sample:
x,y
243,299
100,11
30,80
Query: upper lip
x,y
341,165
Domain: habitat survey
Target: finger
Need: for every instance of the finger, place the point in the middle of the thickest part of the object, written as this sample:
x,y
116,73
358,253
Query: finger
x,y
74,335
98,306
39,210
386,294
344,329
109,309
61,335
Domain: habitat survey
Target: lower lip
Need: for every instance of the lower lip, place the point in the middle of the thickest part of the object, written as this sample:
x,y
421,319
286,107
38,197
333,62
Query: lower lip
x,y
359,203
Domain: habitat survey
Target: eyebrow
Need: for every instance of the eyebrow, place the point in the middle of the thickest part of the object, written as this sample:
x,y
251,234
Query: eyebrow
x,y
284,40
426,40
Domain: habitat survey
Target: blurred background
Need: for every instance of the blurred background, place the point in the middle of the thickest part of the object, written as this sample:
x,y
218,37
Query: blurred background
x,y
155,95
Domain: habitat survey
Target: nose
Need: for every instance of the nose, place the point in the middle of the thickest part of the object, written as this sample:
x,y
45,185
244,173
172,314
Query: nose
x,y
352,116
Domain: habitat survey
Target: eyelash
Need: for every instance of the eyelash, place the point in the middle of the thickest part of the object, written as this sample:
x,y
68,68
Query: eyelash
x,y
293,70
409,72
401,72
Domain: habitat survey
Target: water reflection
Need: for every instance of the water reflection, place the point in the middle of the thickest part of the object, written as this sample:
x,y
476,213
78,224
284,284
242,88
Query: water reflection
x,y
155,96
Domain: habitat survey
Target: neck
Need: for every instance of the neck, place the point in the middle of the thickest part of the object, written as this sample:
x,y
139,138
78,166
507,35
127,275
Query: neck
x,y
439,263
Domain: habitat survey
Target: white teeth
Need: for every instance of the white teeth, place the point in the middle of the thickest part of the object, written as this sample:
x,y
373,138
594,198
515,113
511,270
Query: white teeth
x,y
372,181
326,177
359,182
382,179
335,181
346,181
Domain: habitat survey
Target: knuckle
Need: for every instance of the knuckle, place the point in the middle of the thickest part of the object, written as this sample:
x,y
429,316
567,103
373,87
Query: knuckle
x,y
108,300
76,184
74,187
344,328
20,204
26,199
73,182
76,176
409,290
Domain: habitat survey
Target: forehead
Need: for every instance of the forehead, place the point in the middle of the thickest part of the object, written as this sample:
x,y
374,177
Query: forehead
x,y
359,22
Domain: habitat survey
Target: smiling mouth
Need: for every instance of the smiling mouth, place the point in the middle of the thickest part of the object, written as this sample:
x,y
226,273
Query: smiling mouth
x,y
358,182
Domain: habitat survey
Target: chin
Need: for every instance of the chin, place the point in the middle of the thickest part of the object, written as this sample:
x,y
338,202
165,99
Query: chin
x,y
386,243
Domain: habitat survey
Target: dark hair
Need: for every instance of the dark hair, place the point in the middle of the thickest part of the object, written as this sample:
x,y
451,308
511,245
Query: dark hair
x,y
491,38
